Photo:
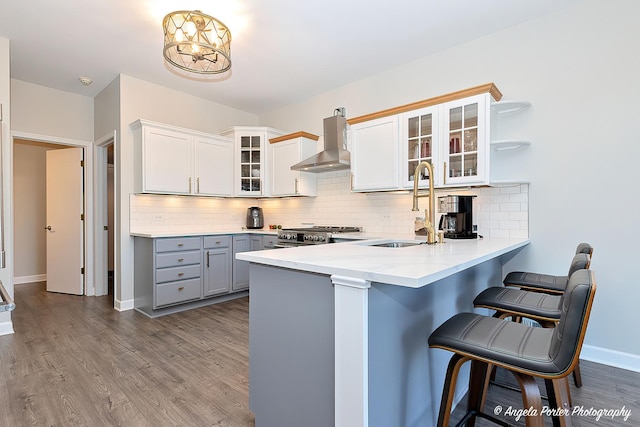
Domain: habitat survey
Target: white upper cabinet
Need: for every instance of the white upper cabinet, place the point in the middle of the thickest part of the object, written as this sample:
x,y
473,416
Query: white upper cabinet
x,y
452,132
214,166
167,161
375,154
466,128
285,152
180,161
251,176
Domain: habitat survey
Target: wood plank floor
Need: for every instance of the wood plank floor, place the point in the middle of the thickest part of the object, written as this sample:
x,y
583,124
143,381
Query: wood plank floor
x,y
604,388
74,361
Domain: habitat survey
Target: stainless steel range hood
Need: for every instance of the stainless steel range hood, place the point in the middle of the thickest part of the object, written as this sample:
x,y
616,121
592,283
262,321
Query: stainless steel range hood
x,y
335,155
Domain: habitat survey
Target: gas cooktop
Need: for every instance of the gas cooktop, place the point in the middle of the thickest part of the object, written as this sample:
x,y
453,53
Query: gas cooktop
x,y
311,235
325,229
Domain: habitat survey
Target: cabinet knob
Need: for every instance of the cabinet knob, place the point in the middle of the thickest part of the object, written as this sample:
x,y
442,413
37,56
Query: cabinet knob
x,y
181,288
180,274
180,245
218,242
180,259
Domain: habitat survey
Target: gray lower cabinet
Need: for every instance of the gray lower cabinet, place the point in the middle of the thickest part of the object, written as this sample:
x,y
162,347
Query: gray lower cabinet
x,y
241,243
168,272
172,273
269,241
217,265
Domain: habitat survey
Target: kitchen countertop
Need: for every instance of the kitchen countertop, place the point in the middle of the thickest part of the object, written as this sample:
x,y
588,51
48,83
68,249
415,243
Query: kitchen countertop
x,y
413,266
204,233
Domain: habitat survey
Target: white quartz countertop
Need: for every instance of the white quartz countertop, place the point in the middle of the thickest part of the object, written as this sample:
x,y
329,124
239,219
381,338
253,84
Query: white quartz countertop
x,y
412,266
203,233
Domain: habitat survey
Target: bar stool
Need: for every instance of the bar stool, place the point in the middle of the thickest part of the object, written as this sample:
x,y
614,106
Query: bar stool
x,y
547,282
527,352
537,305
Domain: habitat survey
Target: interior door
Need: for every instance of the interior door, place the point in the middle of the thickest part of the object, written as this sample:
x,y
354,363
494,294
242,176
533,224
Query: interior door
x,y
65,237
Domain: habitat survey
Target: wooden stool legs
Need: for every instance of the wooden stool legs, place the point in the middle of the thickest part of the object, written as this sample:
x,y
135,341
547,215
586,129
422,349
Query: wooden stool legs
x,y
478,383
449,389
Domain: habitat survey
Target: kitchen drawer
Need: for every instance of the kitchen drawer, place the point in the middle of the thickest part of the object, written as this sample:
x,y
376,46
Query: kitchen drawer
x,y
212,242
178,244
175,292
177,273
176,259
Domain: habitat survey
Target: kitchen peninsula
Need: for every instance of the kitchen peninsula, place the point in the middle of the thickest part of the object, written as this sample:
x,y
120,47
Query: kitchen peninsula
x,y
338,333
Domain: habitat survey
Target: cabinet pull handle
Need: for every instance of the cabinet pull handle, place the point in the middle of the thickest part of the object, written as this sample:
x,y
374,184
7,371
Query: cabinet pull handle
x,y
217,242
180,259
198,185
351,181
297,192
207,259
180,274
189,184
446,172
180,245
181,288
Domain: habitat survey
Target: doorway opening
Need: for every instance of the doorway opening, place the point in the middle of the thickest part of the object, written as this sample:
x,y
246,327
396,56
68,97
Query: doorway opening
x,y
106,206
55,253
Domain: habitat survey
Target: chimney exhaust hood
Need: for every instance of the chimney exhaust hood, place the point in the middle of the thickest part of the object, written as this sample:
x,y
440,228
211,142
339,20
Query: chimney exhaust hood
x,y
335,155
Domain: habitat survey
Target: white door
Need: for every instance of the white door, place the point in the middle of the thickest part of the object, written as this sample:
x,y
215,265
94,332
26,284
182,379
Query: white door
x,y
64,228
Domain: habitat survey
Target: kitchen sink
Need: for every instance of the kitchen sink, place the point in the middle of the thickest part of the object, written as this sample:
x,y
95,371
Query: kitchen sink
x,y
396,244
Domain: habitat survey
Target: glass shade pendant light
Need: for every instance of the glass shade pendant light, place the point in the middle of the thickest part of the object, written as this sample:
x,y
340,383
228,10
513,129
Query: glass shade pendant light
x,y
196,42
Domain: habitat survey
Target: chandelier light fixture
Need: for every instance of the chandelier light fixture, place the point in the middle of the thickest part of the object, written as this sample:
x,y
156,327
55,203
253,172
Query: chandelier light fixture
x,y
196,42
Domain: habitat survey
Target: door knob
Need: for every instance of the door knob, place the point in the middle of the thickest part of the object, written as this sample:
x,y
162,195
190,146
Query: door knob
x,y
48,227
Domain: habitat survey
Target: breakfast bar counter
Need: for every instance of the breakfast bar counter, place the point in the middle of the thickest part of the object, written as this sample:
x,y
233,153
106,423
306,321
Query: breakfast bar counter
x,y
338,333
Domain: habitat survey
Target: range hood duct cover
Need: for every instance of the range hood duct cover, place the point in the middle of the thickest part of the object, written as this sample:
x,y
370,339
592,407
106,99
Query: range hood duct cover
x,y
335,156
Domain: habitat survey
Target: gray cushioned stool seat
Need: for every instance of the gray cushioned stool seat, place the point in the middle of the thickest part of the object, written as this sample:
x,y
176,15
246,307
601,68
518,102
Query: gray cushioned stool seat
x,y
524,303
529,352
547,282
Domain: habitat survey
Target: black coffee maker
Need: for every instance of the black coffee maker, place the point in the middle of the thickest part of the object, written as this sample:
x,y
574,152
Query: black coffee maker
x,y
457,218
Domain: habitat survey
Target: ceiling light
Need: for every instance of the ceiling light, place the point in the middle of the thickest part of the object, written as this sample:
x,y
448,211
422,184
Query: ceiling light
x,y
196,42
86,81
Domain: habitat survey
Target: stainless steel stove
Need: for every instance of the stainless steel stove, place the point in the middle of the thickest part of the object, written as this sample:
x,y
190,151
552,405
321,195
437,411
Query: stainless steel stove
x,y
316,235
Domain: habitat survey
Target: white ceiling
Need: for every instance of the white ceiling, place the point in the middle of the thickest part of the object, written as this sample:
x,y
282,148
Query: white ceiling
x,y
282,51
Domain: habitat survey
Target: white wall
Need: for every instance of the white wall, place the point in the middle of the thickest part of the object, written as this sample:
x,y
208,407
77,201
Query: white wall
x,y
578,69
44,111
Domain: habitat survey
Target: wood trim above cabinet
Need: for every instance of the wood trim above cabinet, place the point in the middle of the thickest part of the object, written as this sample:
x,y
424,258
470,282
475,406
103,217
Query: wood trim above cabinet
x,y
294,135
477,90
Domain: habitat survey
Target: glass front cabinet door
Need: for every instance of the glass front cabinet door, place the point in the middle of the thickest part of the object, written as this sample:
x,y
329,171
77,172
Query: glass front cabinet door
x,y
251,175
420,144
250,179
465,138
453,137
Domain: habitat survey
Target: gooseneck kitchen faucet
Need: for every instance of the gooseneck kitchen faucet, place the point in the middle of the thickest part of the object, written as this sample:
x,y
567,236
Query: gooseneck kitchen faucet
x,y
429,214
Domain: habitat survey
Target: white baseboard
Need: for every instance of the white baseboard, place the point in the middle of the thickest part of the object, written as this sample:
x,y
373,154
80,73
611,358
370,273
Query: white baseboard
x,y
618,359
6,328
124,305
29,279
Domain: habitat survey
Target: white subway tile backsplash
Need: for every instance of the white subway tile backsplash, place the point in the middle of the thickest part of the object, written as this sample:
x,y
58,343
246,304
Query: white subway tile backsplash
x,y
498,212
515,189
